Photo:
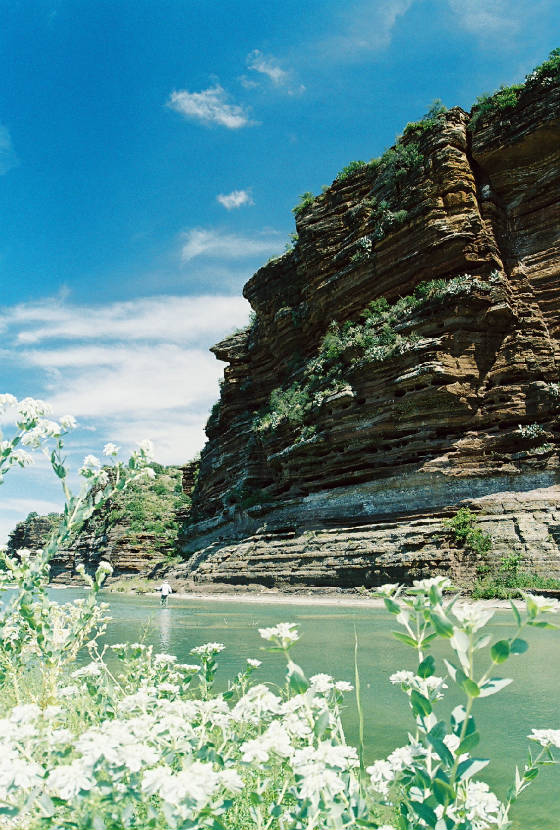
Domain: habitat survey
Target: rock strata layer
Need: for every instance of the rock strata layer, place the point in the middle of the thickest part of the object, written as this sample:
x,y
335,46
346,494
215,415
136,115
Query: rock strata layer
x,y
453,400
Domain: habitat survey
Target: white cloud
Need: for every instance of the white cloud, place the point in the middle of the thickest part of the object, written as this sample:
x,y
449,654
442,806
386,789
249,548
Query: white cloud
x,y
209,107
140,380
267,66
133,370
213,243
364,26
8,158
175,319
486,19
235,199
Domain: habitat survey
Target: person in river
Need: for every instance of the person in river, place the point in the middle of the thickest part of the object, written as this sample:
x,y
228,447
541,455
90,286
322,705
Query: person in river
x,y
165,590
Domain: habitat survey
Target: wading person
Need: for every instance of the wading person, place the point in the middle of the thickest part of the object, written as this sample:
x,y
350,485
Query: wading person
x,y
164,591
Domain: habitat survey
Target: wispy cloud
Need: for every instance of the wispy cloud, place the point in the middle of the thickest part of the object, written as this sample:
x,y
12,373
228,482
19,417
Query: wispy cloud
x,y
235,199
363,27
210,106
487,19
8,158
173,319
216,244
269,66
130,370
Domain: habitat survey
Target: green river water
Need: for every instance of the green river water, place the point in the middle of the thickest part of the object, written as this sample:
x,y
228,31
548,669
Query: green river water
x,y
327,645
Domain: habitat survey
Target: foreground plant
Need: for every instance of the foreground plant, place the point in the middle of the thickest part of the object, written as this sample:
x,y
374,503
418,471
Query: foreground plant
x,y
134,739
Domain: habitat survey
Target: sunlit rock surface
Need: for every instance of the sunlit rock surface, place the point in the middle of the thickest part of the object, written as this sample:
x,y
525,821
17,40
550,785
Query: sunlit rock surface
x,y
358,497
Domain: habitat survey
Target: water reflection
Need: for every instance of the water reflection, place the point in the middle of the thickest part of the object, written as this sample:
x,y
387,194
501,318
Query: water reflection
x,y
165,628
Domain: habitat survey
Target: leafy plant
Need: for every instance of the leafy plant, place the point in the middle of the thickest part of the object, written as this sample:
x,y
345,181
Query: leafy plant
x,y
432,118
466,533
305,200
349,169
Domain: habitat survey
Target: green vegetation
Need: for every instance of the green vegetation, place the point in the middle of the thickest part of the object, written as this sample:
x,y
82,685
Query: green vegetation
x,y
372,339
509,579
384,218
398,163
351,168
305,200
432,118
466,533
507,97
145,511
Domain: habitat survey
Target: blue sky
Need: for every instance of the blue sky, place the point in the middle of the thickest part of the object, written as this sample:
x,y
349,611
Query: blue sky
x,y
150,155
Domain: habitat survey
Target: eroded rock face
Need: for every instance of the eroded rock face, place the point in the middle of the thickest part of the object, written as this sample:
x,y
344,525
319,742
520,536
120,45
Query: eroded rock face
x,y
355,491
135,531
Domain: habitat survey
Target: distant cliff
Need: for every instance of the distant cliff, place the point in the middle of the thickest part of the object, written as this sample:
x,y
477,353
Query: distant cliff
x,y
403,359
136,531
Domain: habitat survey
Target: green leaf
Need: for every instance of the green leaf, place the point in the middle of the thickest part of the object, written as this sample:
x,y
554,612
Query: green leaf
x,y
531,773
542,624
468,685
442,791
496,684
468,743
470,767
392,606
404,638
296,679
519,646
429,638
441,624
427,667
420,705
500,651
426,813
441,750
321,724
516,613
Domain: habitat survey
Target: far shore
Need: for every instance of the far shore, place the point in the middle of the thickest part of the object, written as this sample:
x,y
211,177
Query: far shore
x,y
276,596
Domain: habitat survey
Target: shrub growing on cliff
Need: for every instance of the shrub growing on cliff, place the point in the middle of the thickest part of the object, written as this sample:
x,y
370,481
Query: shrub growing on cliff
x,y
346,347
349,169
466,532
432,118
305,200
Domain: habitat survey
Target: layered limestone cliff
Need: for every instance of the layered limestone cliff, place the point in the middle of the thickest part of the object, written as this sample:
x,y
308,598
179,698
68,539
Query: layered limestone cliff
x,y
336,450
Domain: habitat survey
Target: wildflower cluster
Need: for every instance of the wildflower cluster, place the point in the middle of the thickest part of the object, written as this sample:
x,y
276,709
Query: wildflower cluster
x,y
137,739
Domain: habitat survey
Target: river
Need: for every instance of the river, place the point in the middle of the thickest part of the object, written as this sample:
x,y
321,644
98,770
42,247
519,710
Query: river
x,y
327,645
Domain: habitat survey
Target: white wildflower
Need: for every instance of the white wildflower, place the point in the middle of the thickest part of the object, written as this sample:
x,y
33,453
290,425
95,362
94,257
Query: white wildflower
x,y
91,670
546,737
343,686
68,780
164,659
147,448
473,616
388,589
284,633
321,683
254,663
68,422
197,783
111,449
402,677
208,649
440,582
543,604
